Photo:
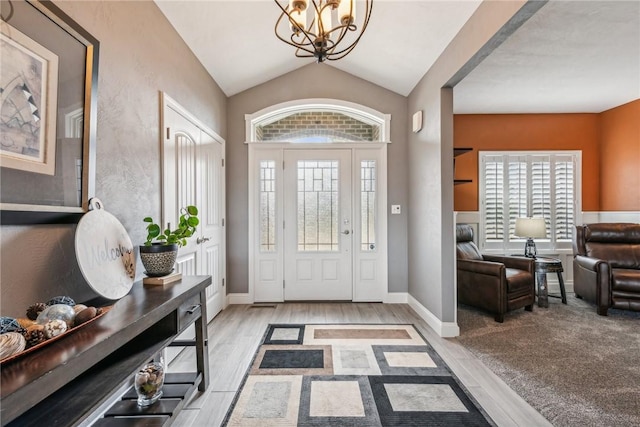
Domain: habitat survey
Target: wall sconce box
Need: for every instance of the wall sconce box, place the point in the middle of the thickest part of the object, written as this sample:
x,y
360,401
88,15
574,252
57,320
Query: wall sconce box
x,y
417,121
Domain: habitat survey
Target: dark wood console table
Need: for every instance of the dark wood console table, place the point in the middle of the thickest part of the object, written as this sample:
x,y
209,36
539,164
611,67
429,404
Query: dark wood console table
x,y
65,382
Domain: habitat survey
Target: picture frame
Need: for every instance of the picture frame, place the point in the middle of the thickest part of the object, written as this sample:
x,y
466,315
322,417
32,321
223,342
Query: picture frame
x,y
53,177
28,101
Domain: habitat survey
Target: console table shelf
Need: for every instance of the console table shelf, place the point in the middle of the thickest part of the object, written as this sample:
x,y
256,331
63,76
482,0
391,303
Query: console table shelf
x,y
66,382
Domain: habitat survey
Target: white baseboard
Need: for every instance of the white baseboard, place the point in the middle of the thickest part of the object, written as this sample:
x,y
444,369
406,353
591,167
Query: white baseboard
x,y
444,329
239,299
396,298
390,298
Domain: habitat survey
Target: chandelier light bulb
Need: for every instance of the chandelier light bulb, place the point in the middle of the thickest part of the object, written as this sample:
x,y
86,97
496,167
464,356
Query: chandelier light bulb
x,y
347,12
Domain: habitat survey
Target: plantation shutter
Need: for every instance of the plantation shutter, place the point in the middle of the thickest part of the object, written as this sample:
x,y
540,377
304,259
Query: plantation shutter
x,y
564,198
493,198
517,184
527,184
541,189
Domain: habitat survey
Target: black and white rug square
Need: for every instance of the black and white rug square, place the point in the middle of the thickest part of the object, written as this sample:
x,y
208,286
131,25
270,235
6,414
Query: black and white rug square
x,y
350,375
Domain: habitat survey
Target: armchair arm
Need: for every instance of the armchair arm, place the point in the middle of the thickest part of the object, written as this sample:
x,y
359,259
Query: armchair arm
x,y
519,263
591,264
592,281
482,284
480,267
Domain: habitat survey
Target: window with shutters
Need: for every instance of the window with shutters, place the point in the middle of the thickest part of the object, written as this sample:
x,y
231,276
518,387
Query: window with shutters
x,y
517,184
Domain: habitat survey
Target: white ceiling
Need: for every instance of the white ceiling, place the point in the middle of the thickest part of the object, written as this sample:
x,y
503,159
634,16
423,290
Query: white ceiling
x,y
571,56
236,43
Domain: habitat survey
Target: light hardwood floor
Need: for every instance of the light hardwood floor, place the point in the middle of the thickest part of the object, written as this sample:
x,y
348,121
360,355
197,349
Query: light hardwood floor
x,y
235,333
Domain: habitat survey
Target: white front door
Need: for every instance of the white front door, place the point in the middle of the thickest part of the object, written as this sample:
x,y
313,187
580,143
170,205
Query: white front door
x,y
318,231
193,174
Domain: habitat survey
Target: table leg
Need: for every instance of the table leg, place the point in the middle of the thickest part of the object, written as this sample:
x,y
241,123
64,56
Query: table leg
x,y
543,294
562,291
202,342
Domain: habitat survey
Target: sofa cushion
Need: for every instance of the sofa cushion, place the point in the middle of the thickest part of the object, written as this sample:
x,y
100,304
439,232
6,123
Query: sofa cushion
x,y
617,243
626,280
619,255
612,232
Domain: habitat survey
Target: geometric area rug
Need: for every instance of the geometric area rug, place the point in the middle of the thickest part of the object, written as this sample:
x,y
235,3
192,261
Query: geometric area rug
x,y
350,375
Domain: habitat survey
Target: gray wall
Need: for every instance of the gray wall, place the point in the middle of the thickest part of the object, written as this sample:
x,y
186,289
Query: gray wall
x,y
140,55
313,81
431,241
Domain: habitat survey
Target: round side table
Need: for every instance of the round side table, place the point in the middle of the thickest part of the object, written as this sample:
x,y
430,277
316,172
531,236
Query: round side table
x,y
546,265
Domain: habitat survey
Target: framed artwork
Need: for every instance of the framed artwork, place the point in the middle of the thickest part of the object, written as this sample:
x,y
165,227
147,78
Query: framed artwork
x,y
28,100
48,109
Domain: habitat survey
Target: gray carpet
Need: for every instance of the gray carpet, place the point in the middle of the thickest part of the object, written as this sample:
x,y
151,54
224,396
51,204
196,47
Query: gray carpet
x,y
574,367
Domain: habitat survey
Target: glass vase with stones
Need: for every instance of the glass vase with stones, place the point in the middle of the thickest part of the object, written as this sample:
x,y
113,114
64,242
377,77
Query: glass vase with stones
x,y
158,259
148,383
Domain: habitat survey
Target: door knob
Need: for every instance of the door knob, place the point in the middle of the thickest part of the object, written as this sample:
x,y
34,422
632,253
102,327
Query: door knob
x,y
346,232
202,240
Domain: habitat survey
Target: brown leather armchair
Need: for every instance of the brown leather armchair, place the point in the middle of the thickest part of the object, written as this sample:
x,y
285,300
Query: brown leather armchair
x,y
494,283
606,265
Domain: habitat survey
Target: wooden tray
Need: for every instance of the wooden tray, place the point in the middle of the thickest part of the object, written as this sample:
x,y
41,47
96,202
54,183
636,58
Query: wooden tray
x,y
56,338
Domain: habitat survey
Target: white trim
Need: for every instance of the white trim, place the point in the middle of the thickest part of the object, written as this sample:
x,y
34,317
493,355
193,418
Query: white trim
x,y
239,298
396,298
257,152
168,102
468,217
73,123
610,216
590,217
351,109
443,329
314,146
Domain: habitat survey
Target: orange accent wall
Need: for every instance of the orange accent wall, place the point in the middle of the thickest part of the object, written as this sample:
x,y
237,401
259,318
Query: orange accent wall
x,y
620,158
502,132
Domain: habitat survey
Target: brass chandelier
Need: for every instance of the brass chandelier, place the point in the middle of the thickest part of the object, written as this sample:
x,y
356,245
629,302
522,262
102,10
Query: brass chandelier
x,y
308,25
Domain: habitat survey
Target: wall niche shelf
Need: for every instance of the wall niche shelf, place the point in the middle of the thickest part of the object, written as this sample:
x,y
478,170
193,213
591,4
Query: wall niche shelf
x,y
457,152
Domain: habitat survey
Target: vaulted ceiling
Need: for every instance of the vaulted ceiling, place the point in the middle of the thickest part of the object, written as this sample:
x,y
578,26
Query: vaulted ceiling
x,y
571,56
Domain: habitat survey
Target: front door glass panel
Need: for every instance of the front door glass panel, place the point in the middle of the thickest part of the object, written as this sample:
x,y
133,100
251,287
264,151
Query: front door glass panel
x,y
318,212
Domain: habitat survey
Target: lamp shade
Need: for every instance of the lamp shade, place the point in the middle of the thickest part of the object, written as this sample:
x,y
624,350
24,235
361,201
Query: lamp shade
x,y
531,227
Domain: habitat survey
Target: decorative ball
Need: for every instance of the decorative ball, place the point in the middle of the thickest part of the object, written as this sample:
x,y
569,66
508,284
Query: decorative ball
x,y
54,328
35,309
79,307
57,311
9,324
61,300
35,336
85,315
35,327
11,343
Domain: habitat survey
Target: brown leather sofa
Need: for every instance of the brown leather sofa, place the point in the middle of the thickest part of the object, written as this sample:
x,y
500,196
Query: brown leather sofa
x,y
606,265
497,284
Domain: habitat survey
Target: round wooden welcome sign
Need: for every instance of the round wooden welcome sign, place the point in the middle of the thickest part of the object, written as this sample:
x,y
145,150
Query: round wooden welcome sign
x,y
105,253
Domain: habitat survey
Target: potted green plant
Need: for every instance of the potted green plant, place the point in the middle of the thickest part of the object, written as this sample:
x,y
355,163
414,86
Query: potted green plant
x,y
159,252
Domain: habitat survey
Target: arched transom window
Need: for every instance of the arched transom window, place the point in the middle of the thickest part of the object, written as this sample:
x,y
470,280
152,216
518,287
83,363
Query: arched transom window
x,y
317,122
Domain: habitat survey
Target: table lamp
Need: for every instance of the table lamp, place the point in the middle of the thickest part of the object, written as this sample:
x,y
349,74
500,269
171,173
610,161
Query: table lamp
x,y
530,228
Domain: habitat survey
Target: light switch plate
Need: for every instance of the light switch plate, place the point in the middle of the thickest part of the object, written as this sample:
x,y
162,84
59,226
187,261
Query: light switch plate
x,y
395,209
